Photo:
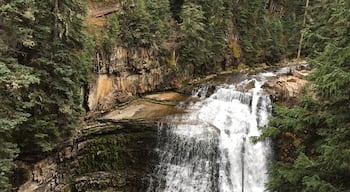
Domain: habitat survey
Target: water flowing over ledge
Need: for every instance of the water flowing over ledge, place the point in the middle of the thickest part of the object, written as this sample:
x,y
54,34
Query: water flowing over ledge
x,y
133,158
209,148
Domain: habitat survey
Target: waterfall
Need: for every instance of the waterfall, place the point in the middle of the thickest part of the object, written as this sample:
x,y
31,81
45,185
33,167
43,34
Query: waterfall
x,y
208,149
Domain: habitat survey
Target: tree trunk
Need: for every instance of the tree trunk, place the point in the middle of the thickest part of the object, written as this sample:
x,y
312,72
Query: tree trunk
x,y
55,32
302,32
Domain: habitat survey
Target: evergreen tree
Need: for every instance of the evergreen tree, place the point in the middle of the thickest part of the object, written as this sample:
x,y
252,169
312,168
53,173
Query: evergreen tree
x,y
135,25
175,7
218,24
61,64
268,30
145,23
14,81
159,11
44,59
204,28
249,20
193,51
110,38
319,127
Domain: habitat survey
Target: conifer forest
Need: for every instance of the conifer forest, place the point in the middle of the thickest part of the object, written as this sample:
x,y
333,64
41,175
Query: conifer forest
x,y
53,51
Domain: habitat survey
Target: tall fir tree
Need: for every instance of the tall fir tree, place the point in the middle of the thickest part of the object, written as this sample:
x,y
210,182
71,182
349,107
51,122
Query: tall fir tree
x,y
15,80
60,59
135,25
318,129
193,53
268,30
44,61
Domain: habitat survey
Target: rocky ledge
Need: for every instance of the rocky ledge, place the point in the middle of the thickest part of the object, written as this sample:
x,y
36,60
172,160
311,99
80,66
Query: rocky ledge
x,y
287,85
284,84
111,153
115,151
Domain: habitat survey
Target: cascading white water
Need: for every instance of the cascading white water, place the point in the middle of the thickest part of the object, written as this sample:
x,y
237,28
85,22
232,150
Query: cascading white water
x,y
209,149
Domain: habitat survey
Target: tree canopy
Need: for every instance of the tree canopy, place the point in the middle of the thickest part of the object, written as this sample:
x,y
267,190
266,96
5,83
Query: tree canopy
x,y
44,61
318,128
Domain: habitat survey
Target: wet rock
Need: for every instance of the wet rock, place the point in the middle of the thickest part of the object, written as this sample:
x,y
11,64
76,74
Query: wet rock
x,y
250,85
286,88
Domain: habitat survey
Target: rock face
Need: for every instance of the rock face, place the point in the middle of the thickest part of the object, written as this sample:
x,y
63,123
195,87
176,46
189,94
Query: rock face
x,y
286,88
113,154
106,157
151,107
117,152
122,72
127,73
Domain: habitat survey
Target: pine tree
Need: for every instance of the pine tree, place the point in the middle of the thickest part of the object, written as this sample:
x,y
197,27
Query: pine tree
x,y
44,59
204,29
175,8
15,80
159,11
268,30
145,23
135,25
218,15
61,64
319,127
250,23
193,53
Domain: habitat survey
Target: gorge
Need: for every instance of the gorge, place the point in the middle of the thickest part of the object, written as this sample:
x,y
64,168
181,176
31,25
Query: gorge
x,y
174,142
174,95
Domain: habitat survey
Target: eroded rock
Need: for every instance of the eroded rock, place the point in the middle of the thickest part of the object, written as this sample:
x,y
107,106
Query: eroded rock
x,y
105,157
286,88
127,73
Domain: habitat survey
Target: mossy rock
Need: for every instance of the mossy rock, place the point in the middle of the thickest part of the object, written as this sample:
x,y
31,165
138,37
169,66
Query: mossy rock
x,y
100,181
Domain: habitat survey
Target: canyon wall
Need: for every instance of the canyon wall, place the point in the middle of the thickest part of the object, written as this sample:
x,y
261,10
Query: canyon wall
x,y
129,72
117,152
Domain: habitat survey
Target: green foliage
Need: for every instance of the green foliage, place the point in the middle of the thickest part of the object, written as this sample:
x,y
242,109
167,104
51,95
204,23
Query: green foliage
x,y
160,16
44,60
204,28
110,37
193,50
103,154
199,35
218,28
15,80
197,42
144,23
321,123
60,62
175,7
267,36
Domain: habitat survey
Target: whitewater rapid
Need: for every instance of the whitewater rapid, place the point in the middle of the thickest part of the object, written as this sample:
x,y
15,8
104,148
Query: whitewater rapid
x,y
209,148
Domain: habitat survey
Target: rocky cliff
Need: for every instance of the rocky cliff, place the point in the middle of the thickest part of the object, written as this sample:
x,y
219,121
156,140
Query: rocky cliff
x,y
106,156
116,152
128,73
125,68
113,153
124,136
